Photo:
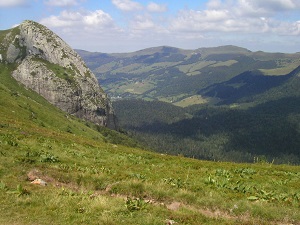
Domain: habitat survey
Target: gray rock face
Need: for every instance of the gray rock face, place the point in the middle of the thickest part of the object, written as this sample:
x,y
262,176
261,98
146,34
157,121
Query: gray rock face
x,y
47,65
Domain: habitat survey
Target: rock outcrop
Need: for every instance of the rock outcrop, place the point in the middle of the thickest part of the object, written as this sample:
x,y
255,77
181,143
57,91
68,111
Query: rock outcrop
x,y
47,65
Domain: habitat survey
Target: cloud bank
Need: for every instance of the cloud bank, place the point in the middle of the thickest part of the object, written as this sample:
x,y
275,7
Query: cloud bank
x,y
13,3
244,22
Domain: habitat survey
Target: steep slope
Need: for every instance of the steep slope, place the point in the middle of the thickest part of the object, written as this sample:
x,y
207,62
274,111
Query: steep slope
x,y
91,179
47,65
255,116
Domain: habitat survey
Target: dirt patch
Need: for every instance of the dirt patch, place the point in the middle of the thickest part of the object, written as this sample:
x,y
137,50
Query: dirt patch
x,y
174,206
34,174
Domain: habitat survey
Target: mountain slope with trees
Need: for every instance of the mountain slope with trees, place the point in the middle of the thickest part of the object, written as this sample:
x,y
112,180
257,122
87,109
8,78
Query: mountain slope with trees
x,y
58,169
171,74
239,105
269,130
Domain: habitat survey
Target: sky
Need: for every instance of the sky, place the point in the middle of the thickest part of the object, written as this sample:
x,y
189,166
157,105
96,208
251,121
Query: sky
x,y
130,25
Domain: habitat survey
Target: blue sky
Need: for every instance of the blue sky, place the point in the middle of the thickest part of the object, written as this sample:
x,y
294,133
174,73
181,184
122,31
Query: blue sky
x,y
131,25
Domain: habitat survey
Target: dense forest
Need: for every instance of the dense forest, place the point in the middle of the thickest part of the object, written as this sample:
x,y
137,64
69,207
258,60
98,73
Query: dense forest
x,y
269,131
235,105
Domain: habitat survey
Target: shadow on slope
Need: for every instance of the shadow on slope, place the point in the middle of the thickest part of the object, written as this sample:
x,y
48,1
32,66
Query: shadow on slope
x,y
245,86
270,129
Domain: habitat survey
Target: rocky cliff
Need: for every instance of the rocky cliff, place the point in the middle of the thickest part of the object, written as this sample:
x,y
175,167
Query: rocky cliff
x,y
47,65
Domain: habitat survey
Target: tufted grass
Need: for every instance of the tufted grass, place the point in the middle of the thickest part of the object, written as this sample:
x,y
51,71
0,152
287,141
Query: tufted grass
x,y
94,180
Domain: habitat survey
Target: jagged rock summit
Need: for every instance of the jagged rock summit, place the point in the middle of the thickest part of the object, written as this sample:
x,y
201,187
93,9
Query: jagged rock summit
x,y
47,65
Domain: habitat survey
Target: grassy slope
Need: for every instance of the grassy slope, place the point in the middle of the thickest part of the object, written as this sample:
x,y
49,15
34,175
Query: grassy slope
x,y
89,177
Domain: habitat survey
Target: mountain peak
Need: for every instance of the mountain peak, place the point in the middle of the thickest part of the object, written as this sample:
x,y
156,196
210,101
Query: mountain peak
x,y
227,49
49,66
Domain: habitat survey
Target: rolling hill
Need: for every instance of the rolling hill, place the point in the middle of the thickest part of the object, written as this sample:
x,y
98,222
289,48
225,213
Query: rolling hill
x,y
173,75
92,175
59,168
228,103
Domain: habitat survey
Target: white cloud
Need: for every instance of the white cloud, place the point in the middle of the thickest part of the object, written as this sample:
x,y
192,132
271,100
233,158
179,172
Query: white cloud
x,y
142,23
89,30
253,23
245,16
15,25
154,7
207,20
289,29
80,20
214,4
275,5
65,19
61,3
13,3
254,8
296,28
127,5
98,18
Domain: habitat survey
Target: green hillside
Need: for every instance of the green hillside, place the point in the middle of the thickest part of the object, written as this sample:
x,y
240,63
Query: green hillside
x,y
255,116
98,176
234,104
174,75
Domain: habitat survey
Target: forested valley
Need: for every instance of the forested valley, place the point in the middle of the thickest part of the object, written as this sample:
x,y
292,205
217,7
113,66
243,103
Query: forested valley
x,y
223,104
267,132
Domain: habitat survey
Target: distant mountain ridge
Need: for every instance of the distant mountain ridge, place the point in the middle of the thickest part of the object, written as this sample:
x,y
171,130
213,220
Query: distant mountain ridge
x,y
235,105
174,75
46,64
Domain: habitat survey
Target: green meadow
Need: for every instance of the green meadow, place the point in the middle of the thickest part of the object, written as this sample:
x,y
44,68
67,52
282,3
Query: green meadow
x,y
98,176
